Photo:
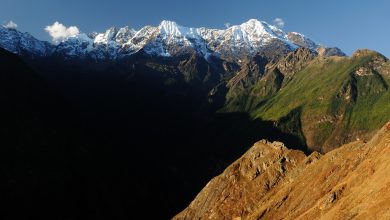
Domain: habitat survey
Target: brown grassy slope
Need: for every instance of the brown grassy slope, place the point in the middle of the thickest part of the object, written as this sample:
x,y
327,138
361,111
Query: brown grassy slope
x,y
272,182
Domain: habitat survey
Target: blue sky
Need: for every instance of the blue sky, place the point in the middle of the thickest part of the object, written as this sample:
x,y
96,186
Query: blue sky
x,y
348,24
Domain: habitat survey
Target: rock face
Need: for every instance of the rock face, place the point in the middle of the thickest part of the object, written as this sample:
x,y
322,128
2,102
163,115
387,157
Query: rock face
x,y
238,190
272,182
301,40
295,61
330,51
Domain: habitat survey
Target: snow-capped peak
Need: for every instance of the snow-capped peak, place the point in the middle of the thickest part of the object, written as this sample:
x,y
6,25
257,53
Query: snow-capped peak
x,y
18,42
257,32
261,28
170,28
106,37
124,34
256,27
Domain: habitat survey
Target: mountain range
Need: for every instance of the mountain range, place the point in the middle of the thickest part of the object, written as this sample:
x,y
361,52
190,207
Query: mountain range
x,y
125,121
167,39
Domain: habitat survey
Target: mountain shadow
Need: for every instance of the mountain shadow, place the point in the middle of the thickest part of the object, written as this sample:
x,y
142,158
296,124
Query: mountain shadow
x,y
112,144
40,143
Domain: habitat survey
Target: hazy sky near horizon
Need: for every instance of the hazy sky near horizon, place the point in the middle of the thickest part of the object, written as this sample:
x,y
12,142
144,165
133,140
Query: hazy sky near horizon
x,y
347,24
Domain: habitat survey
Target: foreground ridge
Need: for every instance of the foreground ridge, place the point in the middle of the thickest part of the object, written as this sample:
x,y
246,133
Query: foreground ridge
x,y
272,182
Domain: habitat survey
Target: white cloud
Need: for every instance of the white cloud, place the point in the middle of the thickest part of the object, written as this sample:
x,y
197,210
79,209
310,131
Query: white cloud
x,y
227,25
60,32
11,25
279,22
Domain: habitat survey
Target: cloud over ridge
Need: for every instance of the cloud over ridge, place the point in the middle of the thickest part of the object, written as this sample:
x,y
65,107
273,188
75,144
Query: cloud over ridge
x,y
279,22
11,25
60,32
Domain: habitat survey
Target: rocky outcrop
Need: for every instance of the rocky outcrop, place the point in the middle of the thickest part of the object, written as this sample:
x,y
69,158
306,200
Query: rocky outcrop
x,y
252,69
238,190
330,51
272,182
301,40
295,61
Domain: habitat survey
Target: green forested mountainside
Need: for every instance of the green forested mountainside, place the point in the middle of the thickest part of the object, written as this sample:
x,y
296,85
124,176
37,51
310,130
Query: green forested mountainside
x,y
329,101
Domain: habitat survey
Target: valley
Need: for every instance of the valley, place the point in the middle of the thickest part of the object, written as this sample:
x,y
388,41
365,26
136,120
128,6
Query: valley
x,y
112,125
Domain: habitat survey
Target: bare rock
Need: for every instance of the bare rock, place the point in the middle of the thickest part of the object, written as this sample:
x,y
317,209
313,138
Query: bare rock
x,y
272,182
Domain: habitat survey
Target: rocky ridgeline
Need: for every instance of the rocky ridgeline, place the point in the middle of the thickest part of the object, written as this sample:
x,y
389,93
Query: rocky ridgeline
x,y
271,182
